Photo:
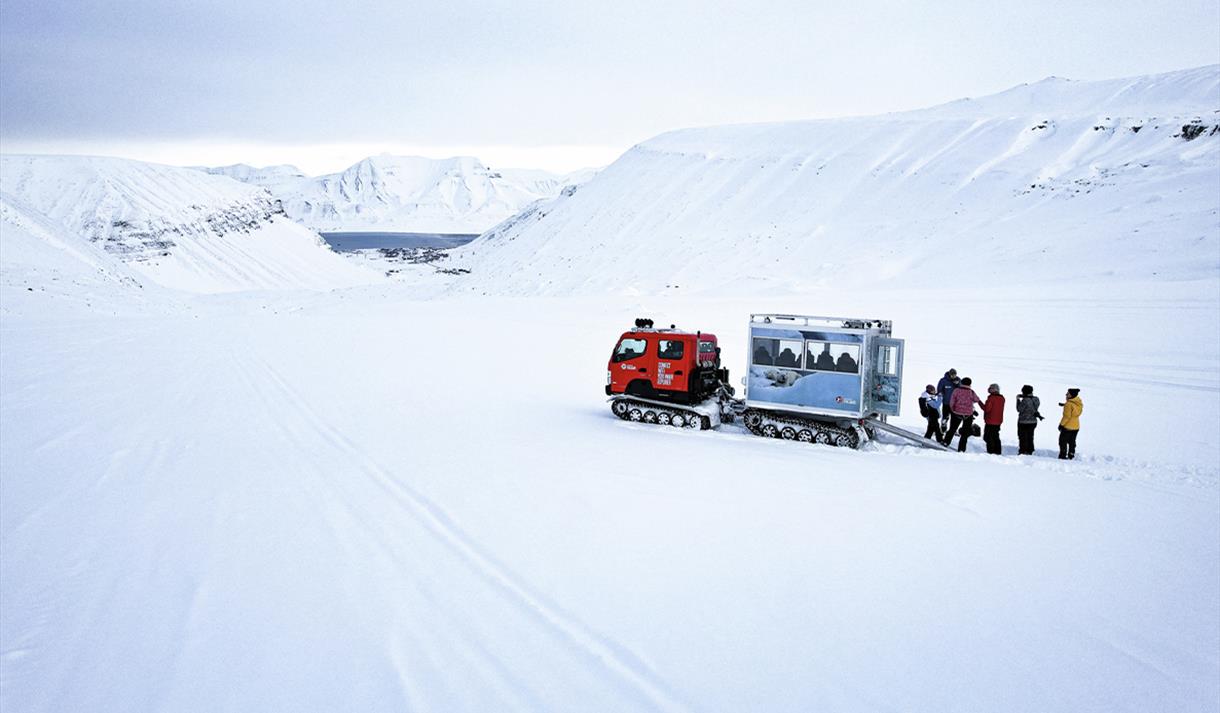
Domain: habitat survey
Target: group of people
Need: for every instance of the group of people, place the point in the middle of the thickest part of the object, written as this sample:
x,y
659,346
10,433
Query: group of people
x,y
949,408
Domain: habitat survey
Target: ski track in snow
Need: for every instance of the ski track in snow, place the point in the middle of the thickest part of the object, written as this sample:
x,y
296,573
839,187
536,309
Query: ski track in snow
x,y
311,489
592,648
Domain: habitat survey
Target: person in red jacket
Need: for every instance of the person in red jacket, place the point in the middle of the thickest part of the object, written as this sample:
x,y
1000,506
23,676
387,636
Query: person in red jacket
x,y
993,416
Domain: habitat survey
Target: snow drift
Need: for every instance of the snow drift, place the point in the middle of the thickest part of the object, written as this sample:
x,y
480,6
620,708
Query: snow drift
x,y
174,226
1047,181
405,193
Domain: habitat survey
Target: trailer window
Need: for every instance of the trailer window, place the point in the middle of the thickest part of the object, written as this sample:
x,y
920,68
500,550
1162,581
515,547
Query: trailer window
x,y
764,351
887,360
669,349
629,349
789,354
831,356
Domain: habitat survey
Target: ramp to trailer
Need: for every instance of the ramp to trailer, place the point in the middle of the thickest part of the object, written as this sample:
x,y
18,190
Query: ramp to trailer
x,y
908,435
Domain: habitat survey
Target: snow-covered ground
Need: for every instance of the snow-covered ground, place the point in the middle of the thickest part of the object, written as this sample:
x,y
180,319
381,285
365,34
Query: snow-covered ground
x,y
409,494
366,500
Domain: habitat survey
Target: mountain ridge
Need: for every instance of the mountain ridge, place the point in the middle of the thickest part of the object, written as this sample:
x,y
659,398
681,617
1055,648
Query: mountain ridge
x,y
800,205
458,194
177,227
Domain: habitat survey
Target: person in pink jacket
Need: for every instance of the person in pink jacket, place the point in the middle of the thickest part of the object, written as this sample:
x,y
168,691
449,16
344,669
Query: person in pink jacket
x,y
961,413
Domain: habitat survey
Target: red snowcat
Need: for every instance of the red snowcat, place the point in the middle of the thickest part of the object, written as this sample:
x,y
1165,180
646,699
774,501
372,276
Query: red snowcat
x,y
670,370
829,380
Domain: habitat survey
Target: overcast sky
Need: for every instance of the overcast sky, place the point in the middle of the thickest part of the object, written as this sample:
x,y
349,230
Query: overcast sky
x,y
549,84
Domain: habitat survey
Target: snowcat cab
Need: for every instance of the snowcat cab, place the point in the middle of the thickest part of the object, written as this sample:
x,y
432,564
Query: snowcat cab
x,y
665,365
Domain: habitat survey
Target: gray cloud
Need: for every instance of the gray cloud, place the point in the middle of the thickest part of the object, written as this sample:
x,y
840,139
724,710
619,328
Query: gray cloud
x,y
539,72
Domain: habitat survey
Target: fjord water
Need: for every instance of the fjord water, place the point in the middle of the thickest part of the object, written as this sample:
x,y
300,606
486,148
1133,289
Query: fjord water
x,y
359,240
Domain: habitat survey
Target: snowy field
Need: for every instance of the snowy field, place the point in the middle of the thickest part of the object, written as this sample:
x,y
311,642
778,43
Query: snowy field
x,y
364,500
403,490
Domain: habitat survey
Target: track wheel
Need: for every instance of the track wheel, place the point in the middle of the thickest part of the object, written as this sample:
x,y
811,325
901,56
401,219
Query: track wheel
x,y
635,415
753,421
650,417
849,439
678,420
620,408
821,437
788,433
769,430
664,418
805,436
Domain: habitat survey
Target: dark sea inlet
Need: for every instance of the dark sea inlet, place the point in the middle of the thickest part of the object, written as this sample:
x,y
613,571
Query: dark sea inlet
x,y
345,241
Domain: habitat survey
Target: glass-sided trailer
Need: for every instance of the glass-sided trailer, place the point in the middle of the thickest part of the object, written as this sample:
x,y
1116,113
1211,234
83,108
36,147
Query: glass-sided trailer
x,y
833,367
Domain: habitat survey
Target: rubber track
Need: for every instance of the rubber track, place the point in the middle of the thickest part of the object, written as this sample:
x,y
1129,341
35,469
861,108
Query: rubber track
x,y
646,406
799,424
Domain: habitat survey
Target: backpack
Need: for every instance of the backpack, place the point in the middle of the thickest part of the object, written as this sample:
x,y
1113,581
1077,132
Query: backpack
x,y
923,407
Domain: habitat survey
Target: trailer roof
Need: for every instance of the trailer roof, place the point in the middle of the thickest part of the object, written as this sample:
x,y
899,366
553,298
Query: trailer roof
x,y
806,320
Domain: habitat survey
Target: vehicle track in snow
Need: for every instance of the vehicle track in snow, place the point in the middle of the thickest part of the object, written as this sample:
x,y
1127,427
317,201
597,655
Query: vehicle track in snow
x,y
602,658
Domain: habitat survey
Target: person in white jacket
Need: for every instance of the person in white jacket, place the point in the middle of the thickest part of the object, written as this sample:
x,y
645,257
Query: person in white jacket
x,y
929,407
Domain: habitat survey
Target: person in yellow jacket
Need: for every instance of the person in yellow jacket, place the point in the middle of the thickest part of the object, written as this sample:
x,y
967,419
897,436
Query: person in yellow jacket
x,y
1069,425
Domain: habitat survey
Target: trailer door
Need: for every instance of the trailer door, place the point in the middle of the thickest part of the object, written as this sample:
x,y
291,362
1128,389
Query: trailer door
x,y
886,389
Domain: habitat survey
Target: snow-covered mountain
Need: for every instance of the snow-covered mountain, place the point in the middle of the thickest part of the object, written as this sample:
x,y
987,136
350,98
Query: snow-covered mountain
x,y
273,178
1052,180
405,193
177,227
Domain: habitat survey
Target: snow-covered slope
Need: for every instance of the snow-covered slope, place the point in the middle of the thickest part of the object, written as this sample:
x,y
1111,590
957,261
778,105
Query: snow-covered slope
x,y
405,193
1054,180
31,244
180,228
43,266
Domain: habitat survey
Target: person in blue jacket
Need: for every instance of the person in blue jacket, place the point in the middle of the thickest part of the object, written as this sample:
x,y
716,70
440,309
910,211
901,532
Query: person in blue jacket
x,y
944,388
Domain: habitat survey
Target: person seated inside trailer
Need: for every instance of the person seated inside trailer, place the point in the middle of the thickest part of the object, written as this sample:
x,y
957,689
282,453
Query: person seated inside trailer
x,y
846,363
787,358
824,362
762,354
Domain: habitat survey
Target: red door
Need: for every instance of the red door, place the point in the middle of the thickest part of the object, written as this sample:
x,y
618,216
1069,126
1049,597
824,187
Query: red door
x,y
675,354
634,358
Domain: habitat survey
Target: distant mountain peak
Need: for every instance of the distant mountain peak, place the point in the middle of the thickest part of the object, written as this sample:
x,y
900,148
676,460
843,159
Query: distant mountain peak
x,y
458,194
